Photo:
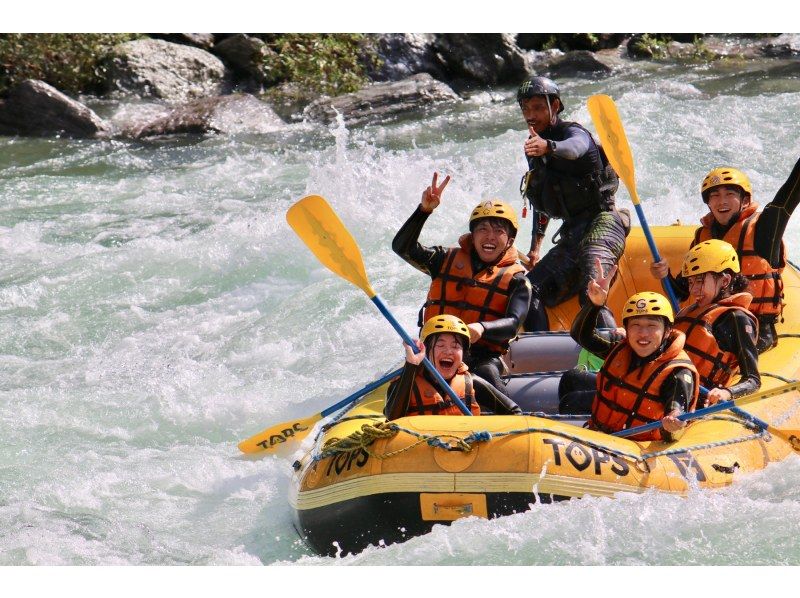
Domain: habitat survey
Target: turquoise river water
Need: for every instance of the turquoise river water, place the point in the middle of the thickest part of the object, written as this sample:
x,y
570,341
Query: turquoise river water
x,y
155,309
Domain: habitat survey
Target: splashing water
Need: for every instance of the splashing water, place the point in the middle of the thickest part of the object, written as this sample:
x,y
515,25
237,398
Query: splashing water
x,y
155,309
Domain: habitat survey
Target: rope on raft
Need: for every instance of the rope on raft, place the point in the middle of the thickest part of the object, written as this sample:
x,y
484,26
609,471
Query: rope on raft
x,y
369,433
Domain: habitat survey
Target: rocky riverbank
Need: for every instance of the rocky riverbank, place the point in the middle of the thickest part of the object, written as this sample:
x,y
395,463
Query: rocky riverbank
x,y
225,83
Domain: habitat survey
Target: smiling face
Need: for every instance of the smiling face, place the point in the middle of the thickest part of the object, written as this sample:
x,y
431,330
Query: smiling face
x,y
725,203
705,288
490,237
447,354
536,113
645,334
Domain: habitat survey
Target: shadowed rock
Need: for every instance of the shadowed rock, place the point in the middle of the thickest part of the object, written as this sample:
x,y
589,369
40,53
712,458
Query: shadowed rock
x,y
483,58
247,56
580,62
382,100
35,108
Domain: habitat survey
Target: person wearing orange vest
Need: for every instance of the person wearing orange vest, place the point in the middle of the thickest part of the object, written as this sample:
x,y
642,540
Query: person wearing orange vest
x,y
480,281
756,236
720,331
646,377
445,340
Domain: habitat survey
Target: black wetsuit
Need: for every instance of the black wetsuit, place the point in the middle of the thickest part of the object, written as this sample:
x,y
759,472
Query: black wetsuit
x,y
677,389
734,333
767,237
398,397
430,260
572,183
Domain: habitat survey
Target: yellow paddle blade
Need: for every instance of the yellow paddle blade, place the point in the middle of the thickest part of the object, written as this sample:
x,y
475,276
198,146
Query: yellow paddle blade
x,y
612,137
279,436
315,222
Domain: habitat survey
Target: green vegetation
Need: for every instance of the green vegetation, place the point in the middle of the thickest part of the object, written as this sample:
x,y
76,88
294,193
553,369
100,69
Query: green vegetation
x,y
330,64
649,46
701,50
71,62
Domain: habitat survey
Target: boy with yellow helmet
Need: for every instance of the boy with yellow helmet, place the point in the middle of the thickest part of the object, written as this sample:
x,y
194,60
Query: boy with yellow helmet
x,y
445,339
720,331
645,377
480,281
756,236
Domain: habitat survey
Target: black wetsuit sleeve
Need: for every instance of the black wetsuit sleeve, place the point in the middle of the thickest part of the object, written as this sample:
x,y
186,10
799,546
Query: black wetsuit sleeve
x,y
584,332
676,393
406,244
398,396
491,399
772,222
736,333
503,329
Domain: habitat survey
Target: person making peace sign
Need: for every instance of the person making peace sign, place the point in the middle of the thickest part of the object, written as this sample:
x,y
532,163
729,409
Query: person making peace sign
x,y
480,281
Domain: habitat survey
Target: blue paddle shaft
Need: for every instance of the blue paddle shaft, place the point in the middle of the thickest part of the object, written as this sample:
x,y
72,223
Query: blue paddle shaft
x,y
654,250
360,393
722,406
426,362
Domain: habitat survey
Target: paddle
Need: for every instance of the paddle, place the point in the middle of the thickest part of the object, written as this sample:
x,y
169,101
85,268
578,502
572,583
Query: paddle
x,y
615,143
791,436
318,226
275,437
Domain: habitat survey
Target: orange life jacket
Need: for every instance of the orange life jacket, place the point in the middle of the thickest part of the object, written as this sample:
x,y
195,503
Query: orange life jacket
x,y
715,366
473,297
427,400
766,284
627,398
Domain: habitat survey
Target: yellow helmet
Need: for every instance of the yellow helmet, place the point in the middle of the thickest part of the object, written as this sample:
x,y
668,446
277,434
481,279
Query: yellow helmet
x,y
444,323
713,255
495,208
725,176
648,303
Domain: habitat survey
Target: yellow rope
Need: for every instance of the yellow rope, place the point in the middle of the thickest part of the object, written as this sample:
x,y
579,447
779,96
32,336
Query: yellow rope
x,y
363,438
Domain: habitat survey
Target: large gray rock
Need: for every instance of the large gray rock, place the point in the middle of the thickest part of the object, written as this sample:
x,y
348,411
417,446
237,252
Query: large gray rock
x,y
404,54
37,109
382,100
204,41
248,57
161,69
580,63
238,113
482,58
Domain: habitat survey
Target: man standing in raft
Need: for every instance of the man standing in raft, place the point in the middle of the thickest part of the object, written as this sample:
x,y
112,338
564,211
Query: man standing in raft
x,y
445,339
569,178
646,377
481,281
756,236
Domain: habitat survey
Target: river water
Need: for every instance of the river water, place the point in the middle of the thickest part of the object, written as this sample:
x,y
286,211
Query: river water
x,y
155,309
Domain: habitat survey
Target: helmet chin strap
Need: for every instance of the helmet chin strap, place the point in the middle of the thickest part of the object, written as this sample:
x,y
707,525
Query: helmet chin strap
x,y
550,112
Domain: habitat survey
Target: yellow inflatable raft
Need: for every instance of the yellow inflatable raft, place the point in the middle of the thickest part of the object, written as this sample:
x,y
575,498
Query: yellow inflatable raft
x,y
365,481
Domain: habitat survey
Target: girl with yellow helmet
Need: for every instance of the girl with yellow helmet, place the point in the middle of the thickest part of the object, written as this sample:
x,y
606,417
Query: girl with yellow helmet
x,y
445,339
720,330
756,236
480,280
645,377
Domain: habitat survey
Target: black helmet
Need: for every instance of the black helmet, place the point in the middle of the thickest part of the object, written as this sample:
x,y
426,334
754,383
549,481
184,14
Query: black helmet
x,y
539,86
